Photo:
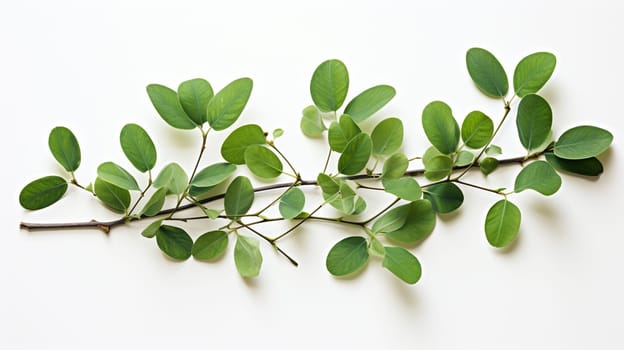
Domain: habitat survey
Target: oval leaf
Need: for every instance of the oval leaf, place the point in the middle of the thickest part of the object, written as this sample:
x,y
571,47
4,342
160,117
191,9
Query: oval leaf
x,y
174,242
488,165
440,127
234,146
239,197
311,123
369,101
405,188
213,175
42,192
263,162
64,147
329,85
247,256
538,176
387,136
228,104
173,178
534,121
395,166
402,264
118,176
355,155
155,203
583,142
168,107
340,133
194,96
210,245
533,72
347,256
486,72
292,202
502,223
116,198
588,166
420,222
477,129
444,197
138,147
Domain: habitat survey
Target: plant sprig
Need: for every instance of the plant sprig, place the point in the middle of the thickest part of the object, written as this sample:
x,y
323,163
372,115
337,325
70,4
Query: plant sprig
x,y
409,217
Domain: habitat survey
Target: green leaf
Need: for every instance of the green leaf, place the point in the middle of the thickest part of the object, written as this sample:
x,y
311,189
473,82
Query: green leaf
x,y
405,188
291,203
174,242
583,142
430,153
464,158
502,223
444,197
210,245
369,101
488,165
538,176
402,264
329,85
213,175
420,222
477,129
340,133
247,256
116,198
345,199
533,72
534,121
65,148
395,166
263,162
138,147
440,127
486,72
155,203
438,167
329,186
387,136
355,155
227,105
311,122
588,166
278,133
118,176
234,146
168,107
347,256
173,178
239,196
42,192
194,96
493,150
375,248
152,229
392,220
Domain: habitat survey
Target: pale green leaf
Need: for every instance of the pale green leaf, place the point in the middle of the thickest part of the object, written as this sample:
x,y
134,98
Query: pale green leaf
x,y
115,198
194,96
533,72
155,203
464,158
173,178
234,146
488,165
387,136
152,229
138,147
583,142
534,121
402,264
118,176
405,188
395,166
420,222
311,122
213,175
247,256
341,132
263,162
392,220
239,197
210,245
477,129
438,167
356,155
292,202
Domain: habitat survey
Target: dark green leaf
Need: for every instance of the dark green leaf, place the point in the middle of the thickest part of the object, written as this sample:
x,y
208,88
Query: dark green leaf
x,y
355,155
291,203
234,146
369,101
311,122
247,256
239,197
174,242
155,203
486,72
405,188
533,72
168,107
213,175
444,197
116,198
402,264
118,176
387,136
488,165
227,105
538,176
588,166
583,142
329,85
263,162
534,121
340,133
420,222
173,178
347,256
440,127
194,96
477,129
138,147
395,166
65,148
438,167
152,229
210,245
392,220
502,223
42,192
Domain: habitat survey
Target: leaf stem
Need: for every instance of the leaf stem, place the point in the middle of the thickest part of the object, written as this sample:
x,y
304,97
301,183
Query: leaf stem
x,y
270,241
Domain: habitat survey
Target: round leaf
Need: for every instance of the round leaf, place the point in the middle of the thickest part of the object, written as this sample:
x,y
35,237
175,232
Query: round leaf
x,y
65,148
329,85
405,188
387,136
210,245
118,176
420,222
239,196
588,166
213,175
292,202
194,96
234,146
340,133
444,197
168,107
42,192
395,166
486,72
438,167
155,203
116,198
173,178
311,122
355,155
477,129
488,165
369,101
227,105
402,264
347,256
138,147
534,121
502,223
538,176
263,162
174,242
533,72
247,256
583,142
440,127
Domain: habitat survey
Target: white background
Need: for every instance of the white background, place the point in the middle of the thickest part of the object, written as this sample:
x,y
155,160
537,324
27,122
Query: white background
x,y
85,66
